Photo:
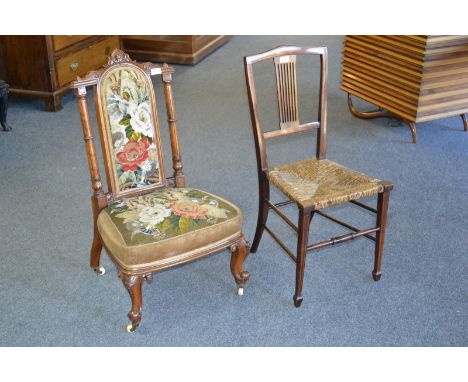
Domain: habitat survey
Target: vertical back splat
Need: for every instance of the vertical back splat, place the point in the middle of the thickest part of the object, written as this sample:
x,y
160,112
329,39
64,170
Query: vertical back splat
x,y
286,86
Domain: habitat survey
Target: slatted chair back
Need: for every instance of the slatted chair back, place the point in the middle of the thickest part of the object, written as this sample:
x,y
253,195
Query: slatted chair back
x,y
127,117
284,58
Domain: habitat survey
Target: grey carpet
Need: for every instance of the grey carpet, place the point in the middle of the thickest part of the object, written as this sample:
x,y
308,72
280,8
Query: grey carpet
x,y
49,296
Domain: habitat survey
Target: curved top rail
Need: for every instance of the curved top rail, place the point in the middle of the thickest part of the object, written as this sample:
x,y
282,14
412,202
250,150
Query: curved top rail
x,y
285,50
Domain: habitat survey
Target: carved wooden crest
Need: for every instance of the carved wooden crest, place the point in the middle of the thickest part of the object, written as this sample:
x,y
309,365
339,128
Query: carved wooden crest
x,y
118,57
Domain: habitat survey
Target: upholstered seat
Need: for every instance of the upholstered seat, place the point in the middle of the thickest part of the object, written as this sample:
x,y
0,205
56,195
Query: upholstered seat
x,y
158,227
322,183
148,221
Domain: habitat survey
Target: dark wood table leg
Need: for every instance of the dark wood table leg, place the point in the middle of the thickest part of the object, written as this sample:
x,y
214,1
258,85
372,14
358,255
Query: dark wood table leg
x,y
4,89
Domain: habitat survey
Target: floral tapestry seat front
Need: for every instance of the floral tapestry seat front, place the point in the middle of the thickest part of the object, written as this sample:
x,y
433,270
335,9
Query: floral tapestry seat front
x,y
156,227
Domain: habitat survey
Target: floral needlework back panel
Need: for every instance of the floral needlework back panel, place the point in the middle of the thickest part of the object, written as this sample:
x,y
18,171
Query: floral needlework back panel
x,y
131,123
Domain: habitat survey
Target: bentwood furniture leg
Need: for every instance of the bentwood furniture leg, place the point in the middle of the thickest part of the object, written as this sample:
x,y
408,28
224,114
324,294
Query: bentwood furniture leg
x,y
263,208
412,127
379,113
382,208
303,231
465,122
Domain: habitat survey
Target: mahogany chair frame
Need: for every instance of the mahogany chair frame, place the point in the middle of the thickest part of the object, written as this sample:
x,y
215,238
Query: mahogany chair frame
x,y
284,58
132,278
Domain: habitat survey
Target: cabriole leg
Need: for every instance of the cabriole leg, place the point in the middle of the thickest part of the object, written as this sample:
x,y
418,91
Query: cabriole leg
x,y
263,209
302,240
382,208
133,285
239,252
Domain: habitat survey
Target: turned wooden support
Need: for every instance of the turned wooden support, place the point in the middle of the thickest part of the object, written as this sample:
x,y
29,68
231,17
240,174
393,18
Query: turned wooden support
x,y
179,176
89,142
99,198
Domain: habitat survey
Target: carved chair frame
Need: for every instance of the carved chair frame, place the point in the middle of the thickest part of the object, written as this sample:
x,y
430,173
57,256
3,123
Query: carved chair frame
x,y
284,58
132,278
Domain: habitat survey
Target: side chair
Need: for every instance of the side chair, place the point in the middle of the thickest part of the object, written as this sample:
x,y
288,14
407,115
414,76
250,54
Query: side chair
x,y
145,221
312,184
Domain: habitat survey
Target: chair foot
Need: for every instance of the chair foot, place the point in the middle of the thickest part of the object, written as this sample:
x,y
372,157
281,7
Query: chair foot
x,y
99,270
297,301
376,276
132,327
240,291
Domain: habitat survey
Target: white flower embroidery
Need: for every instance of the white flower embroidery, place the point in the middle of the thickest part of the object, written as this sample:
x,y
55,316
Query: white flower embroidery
x,y
118,107
154,215
141,119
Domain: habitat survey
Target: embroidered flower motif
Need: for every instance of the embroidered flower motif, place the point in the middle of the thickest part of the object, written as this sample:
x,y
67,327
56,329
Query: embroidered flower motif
x,y
188,209
154,215
141,120
133,154
118,107
132,129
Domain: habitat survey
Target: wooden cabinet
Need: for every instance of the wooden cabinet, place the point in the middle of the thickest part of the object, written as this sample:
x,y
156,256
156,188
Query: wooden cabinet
x,y
43,66
172,49
417,78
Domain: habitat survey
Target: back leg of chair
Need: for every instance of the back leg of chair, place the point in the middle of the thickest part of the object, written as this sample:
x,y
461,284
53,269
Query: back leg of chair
x,y
302,241
382,208
96,246
95,257
263,208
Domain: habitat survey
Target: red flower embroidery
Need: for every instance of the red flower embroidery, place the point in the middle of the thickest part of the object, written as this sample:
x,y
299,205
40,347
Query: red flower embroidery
x,y
133,154
188,209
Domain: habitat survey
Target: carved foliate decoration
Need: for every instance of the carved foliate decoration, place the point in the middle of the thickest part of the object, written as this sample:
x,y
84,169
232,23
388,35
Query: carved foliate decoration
x,y
118,57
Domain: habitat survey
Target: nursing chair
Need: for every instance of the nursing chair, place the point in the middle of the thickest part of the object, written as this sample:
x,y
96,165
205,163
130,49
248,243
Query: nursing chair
x,y
312,184
145,221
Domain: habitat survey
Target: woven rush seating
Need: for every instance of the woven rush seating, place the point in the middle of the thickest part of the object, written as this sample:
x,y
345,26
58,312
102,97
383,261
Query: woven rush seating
x,y
322,183
312,184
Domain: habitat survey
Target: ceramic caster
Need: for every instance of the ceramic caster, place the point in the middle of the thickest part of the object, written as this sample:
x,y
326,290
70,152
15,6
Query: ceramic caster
x,y
240,291
376,276
131,328
99,270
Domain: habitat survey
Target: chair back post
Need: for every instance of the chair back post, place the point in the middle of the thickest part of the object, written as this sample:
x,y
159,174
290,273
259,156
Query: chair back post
x,y
260,149
321,151
99,197
284,58
179,177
